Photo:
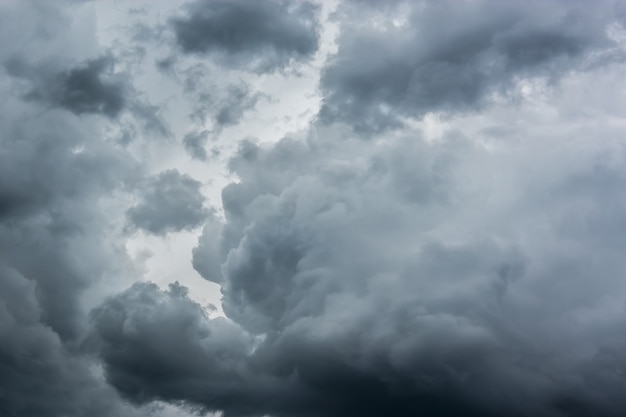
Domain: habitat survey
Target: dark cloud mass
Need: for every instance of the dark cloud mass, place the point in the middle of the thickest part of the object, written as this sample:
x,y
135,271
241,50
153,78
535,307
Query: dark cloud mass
x,y
375,288
263,36
54,240
170,202
84,90
87,88
453,56
38,376
445,238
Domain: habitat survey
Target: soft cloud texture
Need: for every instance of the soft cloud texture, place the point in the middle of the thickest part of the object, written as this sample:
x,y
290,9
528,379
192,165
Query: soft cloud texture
x,y
82,89
262,36
444,238
170,202
55,243
453,56
457,275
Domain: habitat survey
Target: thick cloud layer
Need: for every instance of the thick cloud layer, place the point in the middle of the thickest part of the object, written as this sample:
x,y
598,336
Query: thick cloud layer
x,y
469,274
170,202
263,36
38,374
446,238
56,245
138,332
451,55
405,276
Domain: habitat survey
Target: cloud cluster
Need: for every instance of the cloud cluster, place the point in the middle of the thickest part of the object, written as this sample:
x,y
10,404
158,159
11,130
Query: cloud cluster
x,y
445,239
170,202
55,174
409,276
242,33
477,273
82,89
452,56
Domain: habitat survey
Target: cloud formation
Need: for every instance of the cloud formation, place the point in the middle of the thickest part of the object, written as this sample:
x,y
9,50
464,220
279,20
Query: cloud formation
x,y
55,242
445,238
419,277
242,33
86,88
39,374
452,56
170,202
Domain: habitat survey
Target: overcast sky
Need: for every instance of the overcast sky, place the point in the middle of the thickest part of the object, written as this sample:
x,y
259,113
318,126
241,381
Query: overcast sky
x,y
312,208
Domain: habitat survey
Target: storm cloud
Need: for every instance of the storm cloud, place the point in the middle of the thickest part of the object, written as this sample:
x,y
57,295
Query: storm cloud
x,y
441,232
411,279
262,36
54,240
453,56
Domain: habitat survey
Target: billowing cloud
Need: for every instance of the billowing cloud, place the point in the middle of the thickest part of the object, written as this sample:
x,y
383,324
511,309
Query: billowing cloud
x,y
55,242
138,331
39,375
170,202
453,56
468,261
86,88
263,36
474,275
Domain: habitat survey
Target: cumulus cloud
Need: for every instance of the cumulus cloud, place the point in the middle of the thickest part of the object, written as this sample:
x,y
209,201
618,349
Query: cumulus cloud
x,y
86,88
55,242
170,202
139,331
452,56
261,36
445,239
39,376
403,275
475,273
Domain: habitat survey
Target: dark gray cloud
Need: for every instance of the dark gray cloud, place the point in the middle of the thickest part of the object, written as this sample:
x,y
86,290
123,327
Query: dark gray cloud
x,y
452,56
38,374
86,88
56,245
477,272
263,36
215,364
405,280
145,326
170,202
46,205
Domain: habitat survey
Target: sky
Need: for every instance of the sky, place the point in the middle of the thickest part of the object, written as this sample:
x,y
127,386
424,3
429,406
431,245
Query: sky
x,y
344,208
